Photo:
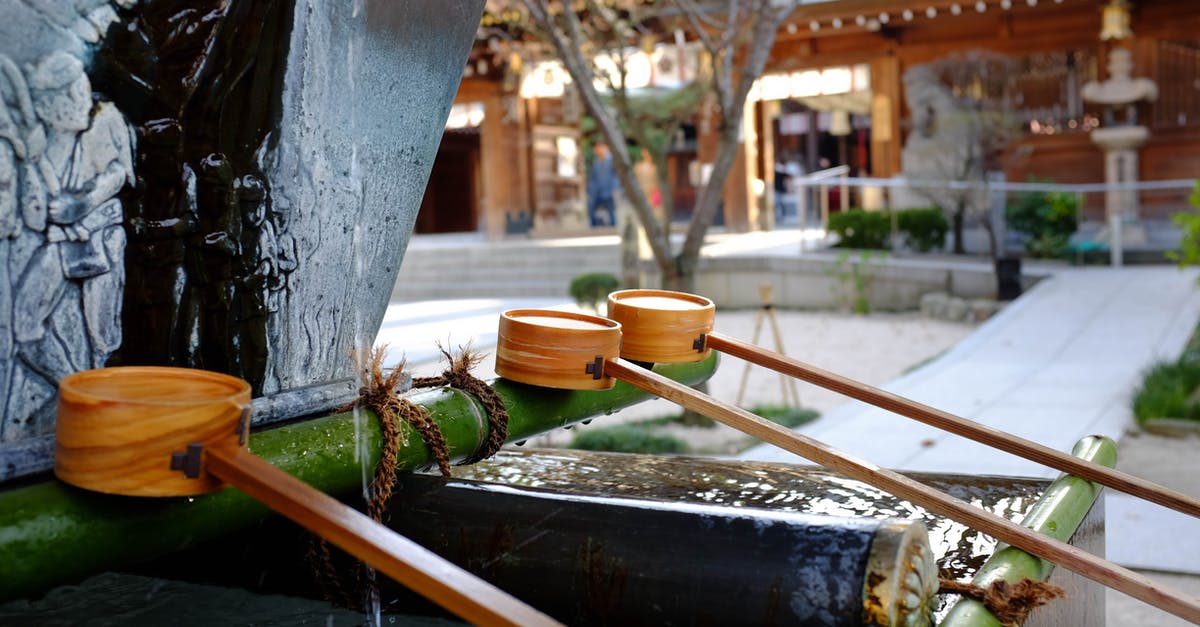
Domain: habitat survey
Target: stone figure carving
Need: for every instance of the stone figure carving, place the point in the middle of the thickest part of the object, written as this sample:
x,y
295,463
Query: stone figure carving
x,y
927,98
254,141
938,146
65,162
954,138
210,250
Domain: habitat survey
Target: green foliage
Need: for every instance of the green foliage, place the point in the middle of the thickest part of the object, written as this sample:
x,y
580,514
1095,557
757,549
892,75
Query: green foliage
x,y
1047,218
784,415
1169,390
593,288
858,228
854,276
653,117
1172,389
1048,245
632,438
1189,245
925,228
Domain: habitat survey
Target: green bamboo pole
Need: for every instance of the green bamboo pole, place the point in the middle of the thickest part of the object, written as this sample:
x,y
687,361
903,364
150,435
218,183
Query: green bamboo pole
x,y
53,533
1057,514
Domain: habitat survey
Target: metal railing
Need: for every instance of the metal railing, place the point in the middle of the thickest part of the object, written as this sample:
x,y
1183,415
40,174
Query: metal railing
x,y
818,181
1120,231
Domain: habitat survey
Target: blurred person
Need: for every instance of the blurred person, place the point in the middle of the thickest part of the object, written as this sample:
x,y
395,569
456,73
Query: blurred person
x,y
602,187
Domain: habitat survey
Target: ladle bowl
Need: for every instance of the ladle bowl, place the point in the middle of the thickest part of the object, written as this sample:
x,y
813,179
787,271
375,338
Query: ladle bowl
x,y
661,326
119,428
556,349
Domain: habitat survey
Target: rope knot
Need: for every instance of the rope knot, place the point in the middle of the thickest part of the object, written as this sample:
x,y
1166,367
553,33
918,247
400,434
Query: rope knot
x,y
458,375
1009,602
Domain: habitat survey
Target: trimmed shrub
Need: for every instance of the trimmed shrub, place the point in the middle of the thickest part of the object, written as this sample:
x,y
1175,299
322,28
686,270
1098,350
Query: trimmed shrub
x,y
1046,218
593,288
857,228
925,228
627,439
1169,390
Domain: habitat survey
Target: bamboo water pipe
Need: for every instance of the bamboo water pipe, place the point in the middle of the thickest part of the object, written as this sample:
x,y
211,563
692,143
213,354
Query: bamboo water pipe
x,y
152,431
625,306
560,349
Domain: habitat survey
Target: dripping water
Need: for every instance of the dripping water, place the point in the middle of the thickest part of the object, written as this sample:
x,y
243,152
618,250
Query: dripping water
x,y
361,343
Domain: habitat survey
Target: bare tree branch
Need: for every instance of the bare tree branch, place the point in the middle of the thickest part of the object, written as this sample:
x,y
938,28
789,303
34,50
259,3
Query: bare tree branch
x,y
737,38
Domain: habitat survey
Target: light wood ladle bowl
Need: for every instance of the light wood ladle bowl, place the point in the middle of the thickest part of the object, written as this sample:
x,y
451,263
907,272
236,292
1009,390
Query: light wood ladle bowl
x,y
157,431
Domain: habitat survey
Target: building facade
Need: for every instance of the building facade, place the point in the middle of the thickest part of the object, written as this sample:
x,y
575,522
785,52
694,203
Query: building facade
x,y
834,92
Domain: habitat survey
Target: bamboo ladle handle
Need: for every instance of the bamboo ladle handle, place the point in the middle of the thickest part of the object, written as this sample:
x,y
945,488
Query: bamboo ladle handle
x,y
405,561
1060,553
946,421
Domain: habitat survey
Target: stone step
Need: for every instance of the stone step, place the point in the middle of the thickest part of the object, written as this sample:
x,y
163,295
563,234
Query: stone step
x,y
435,269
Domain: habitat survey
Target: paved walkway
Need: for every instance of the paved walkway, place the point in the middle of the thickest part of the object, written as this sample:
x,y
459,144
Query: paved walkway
x,y
1060,363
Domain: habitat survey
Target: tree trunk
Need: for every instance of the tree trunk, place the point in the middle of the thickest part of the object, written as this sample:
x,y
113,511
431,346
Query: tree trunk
x,y
631,276
957,220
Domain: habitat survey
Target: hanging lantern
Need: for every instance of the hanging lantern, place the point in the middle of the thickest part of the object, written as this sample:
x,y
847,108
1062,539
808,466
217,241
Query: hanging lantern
x,y
1115,21
646,44
839,124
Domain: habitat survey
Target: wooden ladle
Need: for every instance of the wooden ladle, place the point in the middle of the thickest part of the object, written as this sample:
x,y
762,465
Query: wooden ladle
x,y
156,431
652,314
544,353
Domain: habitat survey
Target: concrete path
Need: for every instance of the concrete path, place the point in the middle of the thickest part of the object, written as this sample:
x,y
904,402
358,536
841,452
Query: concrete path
x,y
1060,363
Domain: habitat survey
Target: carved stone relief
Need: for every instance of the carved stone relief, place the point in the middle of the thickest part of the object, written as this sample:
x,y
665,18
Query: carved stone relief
x,y
220,184
65,154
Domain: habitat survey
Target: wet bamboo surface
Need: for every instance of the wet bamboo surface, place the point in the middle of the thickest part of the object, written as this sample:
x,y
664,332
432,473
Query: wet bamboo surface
x,y
613,560
1062,554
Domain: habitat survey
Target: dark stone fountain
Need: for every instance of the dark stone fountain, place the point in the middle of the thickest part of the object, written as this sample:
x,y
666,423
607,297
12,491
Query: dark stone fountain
x,y
227,185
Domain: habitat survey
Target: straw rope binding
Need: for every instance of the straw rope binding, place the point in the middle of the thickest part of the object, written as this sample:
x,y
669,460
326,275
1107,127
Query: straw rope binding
x,y
1009,602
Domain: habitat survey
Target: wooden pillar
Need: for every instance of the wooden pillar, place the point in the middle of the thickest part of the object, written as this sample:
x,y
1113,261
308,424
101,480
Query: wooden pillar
x,y
887,97
768,111
503,156
707,138
741,206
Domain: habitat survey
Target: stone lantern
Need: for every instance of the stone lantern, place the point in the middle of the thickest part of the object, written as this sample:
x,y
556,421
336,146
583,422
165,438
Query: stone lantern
x,y
1121,135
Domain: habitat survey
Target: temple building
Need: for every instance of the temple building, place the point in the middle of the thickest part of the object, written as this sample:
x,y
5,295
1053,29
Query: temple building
x,y
840,89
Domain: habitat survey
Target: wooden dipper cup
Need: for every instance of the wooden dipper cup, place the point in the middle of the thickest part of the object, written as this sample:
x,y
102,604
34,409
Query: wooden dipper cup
x,y
659,326
119,428
556,349
155,431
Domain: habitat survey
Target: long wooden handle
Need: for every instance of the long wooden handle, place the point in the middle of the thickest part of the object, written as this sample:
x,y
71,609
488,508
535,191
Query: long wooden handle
x,y
425,572
1060,553
945,421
